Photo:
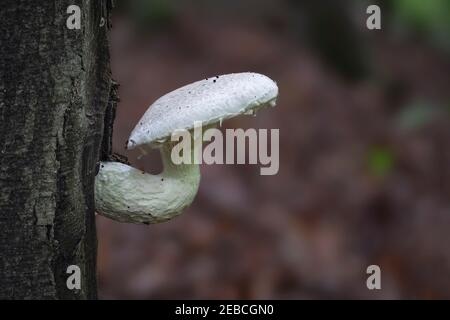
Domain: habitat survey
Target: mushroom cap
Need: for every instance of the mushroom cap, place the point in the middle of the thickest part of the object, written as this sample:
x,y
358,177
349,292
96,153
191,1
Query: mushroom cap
x,y
210,101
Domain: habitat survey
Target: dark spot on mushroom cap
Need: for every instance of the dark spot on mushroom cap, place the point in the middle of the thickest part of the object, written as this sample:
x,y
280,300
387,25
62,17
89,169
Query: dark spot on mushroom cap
x,y
131,141
162,179
214,81
217,77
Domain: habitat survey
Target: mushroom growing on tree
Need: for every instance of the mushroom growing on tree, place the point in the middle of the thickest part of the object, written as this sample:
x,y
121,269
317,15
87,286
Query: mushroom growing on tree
x,y
126,194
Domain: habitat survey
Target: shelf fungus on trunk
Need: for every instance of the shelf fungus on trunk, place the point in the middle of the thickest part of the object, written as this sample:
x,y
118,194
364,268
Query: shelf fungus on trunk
x,y
126,194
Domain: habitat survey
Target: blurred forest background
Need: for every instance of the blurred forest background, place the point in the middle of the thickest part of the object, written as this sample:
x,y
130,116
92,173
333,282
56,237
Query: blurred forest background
x,y
364,119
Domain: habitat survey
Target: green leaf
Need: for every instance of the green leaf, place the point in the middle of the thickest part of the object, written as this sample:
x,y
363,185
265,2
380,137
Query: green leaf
x,y
380,161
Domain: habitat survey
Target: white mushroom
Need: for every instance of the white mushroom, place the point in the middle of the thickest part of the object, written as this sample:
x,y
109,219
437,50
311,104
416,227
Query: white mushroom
x,y
127,194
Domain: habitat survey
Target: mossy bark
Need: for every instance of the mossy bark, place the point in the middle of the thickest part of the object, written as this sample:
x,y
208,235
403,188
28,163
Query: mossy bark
x,y
55,88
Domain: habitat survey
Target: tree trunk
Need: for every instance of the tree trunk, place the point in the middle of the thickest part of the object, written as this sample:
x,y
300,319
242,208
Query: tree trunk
x,y
55,88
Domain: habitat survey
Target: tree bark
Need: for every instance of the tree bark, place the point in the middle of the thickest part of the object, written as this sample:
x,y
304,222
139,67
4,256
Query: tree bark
x,y
55,87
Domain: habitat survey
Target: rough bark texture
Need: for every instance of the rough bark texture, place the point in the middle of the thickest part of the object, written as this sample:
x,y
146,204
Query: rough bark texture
x,y
55,86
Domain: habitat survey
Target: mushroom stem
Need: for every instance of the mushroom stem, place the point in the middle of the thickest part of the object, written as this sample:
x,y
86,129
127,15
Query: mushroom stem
x,y
126,194
178,170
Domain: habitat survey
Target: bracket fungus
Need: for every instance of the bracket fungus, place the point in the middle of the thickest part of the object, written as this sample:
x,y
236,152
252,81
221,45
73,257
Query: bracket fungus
x,y
126,194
